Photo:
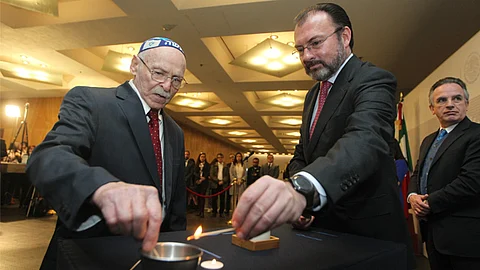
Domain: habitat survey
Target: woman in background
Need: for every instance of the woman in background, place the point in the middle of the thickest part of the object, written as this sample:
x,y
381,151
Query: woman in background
x,y
237,173
201,173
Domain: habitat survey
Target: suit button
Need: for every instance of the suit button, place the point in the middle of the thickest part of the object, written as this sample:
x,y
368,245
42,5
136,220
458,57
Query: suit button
x,y
343,187
349,184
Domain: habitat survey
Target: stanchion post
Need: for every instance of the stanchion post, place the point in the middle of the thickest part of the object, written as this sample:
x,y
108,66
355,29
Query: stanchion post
x,y
234,198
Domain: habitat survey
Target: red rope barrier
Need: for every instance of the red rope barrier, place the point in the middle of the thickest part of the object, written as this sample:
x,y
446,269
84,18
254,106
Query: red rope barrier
x,y
209,196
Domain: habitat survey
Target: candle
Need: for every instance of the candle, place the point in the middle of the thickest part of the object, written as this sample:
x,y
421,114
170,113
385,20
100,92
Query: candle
x,y
213,264
262,237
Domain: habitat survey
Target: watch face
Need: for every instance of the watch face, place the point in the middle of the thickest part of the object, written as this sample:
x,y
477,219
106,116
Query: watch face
x,y
302,183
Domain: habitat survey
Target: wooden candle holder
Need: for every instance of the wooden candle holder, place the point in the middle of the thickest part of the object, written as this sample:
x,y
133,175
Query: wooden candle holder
x,y
273,242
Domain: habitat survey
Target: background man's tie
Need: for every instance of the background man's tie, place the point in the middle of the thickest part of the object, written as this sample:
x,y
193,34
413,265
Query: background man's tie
x,y
157,146
321,101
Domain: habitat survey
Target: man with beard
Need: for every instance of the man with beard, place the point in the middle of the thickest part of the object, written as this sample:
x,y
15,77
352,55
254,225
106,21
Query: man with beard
x,y
113,164
342,171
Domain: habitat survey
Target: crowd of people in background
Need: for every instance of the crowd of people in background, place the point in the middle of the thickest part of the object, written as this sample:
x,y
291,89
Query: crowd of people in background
x,y
222,180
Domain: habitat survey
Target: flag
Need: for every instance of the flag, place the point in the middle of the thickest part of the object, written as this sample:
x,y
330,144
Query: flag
x,y
402,138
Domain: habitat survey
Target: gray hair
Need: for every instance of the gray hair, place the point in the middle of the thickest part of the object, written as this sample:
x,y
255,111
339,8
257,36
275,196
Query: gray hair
x,y
447,80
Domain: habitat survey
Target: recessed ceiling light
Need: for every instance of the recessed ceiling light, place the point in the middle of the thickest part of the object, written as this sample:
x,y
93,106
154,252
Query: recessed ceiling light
x,y
237,133
295,134
274,37
290,43
218,121
263,150
272,53
26,62
130,48
249,141
23,56
291,122
258,146
275,65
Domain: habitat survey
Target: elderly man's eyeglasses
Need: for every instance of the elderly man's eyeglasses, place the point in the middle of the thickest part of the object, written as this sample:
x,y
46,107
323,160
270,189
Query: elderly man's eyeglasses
x,y
315,44
177,82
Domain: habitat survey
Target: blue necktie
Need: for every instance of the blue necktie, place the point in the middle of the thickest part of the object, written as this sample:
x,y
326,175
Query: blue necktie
x,y
442,134
429,158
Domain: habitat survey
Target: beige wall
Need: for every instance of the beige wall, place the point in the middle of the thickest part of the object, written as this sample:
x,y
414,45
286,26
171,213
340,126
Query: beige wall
x,y
464,64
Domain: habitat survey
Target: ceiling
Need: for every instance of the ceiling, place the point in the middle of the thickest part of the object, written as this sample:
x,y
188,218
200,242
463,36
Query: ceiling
x,y
408,38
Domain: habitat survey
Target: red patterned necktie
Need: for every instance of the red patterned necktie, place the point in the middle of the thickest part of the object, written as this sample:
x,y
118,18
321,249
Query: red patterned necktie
x,y
157,146
321,101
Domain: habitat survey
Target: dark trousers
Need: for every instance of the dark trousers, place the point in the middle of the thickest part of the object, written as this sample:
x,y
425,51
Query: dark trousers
x,y
228,202
439,261
215,200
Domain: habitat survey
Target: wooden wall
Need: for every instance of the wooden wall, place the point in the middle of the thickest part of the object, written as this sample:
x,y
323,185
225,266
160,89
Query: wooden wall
x,y
43,114
198,142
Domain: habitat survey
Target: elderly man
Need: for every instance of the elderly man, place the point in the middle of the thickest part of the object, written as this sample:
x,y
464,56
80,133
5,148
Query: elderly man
x,y
342,170
444,191
117,156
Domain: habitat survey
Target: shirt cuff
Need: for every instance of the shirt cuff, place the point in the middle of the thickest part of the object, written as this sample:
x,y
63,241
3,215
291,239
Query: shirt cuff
x,y
318,187
408,197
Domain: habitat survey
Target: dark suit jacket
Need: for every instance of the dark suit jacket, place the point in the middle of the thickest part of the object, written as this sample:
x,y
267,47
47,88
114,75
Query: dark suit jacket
x,y
214,176
3,148
453,186
102,136
253,174
349,155
274,171
202,187
189,170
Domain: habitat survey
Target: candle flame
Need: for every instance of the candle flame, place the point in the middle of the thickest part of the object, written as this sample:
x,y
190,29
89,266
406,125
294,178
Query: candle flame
x,y
197,234
214,261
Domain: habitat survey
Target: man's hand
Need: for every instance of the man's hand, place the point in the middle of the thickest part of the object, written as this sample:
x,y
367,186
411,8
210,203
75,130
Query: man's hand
x,y
131,209
419,204
267,205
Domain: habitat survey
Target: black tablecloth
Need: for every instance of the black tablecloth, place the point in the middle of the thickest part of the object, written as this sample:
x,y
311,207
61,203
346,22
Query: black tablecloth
x,y
315,249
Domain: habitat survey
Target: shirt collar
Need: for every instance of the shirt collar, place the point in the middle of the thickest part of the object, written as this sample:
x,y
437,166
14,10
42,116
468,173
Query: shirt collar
x,y
450,128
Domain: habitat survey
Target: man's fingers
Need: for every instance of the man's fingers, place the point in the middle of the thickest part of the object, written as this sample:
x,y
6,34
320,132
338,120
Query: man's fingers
x,y
247,200
154,221
140,218
258,220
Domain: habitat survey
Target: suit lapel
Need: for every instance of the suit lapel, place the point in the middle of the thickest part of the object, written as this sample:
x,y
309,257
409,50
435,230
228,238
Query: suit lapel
x,y
169,140
451,138
334,99
132,108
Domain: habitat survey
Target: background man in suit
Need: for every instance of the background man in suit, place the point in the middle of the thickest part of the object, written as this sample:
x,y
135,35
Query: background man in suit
x,y
189,182
253,172
342,169
444,191
269,168
117,156
219,180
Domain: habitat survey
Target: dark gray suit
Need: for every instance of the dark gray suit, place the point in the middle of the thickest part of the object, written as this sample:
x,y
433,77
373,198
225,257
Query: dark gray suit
x,y
102,136
453,186
349,156
273,171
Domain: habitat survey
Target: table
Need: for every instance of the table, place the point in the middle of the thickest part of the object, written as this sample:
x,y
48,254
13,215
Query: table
x,y
7,167
316,249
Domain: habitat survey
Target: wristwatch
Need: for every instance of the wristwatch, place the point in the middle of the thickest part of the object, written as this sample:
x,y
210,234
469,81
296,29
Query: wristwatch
x,y
303,186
